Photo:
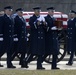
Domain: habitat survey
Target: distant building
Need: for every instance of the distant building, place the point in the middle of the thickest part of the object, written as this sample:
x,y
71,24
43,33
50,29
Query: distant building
x,y
60,5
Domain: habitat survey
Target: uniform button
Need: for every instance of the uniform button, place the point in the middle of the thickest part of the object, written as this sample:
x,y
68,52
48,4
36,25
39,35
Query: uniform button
x,y
9,30
59,34
53,32
53,38
38,32
67,36
9,25
71,28
22,36
56,38
41,37
22,31
10,36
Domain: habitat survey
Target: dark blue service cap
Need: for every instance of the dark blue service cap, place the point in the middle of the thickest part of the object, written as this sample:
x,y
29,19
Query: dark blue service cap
x,y
36,8
19,9
50,8
7,7
72,11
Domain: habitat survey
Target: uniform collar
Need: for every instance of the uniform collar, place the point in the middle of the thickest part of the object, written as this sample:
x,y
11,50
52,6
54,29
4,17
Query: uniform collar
x,y
72,18
20,17
8,15
50,16
36,16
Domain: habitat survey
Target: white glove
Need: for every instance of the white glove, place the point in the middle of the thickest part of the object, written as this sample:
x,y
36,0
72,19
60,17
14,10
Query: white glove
x,y
28,35
41,18
27,39
54,28
1,39
15,39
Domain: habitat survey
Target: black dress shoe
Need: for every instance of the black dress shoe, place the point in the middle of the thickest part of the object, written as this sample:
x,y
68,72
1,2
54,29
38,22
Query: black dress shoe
x,y
55,68
19,63
40,68
70,64
1,65
24,66
11,67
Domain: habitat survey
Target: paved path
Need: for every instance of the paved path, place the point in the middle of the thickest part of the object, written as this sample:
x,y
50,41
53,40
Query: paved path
x,y
32,65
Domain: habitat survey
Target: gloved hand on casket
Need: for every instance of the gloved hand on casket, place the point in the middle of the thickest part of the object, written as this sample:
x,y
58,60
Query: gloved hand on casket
x,y
54,28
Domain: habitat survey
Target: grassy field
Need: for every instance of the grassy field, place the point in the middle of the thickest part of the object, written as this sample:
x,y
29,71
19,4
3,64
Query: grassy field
x,y
37,72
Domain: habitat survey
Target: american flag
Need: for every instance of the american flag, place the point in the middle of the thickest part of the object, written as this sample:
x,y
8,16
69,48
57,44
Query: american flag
x,y
57,15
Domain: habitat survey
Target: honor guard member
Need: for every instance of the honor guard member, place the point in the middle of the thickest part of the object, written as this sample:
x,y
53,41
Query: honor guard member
x,y
51,40
37,37
20,31
1,38
8,32
71,36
